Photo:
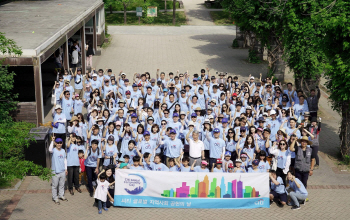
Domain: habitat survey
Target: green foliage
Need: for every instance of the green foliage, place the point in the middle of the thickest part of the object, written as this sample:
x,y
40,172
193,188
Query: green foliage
x,y
235,43
7,103
8,46
221,18
253,58
138,3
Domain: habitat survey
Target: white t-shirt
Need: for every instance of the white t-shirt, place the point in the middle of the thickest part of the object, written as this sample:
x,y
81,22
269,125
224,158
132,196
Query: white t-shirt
x,y
101,190
196,148
75,57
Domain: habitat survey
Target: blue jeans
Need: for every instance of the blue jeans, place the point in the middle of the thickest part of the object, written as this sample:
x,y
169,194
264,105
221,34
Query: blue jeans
x,y
296,196
100,204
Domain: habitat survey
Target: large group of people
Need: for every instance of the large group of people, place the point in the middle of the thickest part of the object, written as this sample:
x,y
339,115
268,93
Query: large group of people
x,y
178,122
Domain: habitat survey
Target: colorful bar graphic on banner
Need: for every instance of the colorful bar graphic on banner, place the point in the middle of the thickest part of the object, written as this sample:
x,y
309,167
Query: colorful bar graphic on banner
x,y
191,190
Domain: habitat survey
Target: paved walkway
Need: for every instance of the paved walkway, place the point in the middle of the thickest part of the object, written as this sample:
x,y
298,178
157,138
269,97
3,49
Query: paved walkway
x,y
169,10
197,13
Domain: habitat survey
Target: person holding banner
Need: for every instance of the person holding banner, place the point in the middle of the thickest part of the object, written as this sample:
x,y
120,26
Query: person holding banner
x,y
278,190
216,145
196,147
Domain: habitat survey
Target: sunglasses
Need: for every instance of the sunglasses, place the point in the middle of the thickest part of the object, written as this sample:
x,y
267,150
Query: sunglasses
x,y
59,143
282,144
78,142
68,94
163,123
166,113
230,132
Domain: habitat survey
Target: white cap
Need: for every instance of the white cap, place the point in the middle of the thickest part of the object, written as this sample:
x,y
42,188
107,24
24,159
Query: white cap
x,y
265,113
94,75
272,112
239,160
213,100
248,107
123,74
58,107
252,77
210,117
206,121
182,113
191,123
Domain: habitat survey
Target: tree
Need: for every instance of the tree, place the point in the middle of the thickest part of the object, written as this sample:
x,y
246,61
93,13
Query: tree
x,y
14,136
125,4
334,41
109,5
174,12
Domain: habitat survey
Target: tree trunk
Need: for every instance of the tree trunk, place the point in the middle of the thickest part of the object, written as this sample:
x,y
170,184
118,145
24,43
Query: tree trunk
x,y
165,5
345,130
124,14
111,9
174,11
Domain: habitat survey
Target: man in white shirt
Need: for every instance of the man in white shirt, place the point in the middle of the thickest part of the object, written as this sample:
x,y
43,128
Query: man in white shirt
x,y
196,147
75,57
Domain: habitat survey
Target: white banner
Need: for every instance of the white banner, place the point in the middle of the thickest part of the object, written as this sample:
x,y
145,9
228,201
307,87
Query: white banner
x,y
134,188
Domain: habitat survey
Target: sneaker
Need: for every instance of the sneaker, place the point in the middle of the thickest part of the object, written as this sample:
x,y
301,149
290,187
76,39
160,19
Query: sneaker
x,y
316,167
63,198
91,194
295,207
100,211
279,204
302,202
56,202
105,208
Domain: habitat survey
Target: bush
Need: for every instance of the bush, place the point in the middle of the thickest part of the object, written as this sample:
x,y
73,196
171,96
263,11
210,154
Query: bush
x,y
253,58
235,43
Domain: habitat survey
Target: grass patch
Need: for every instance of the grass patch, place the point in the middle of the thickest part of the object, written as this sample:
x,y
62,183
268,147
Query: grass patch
x,y
106,44
139,3
162,19
216,5
221,18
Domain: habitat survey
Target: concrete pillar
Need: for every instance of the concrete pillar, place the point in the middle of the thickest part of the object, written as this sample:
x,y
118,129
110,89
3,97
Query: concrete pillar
x,y
38,90
94,36
83,51
65,55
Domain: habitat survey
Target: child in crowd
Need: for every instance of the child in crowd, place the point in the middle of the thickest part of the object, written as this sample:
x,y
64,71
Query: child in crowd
x,y
227,160
238,168
157,165
229,168
101,191
184,164
264,166
82,172
202,168
172,166
136,165
245,161
218,167
254,168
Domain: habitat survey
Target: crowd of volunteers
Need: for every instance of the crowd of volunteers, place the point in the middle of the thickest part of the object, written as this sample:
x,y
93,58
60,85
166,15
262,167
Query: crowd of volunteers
x,y
177,122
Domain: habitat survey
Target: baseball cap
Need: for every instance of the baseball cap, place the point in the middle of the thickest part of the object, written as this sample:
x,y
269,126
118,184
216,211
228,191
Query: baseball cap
x,y
195,79
121,101
58,107
122,74
175,115
94,75
210,117
244,155
224,120
252,77
193,115
248,108
133,115
238,161
234,94
261,119
58,140
153,80
122,165
238,103
219,161
146,133
150,118
255,162
134,85
212,77
172,131
127,92
242,128
191,123
272,112
183,91
227,153
204,162
206,121
182,113
126,80
213,100
216,130
230,165
165,90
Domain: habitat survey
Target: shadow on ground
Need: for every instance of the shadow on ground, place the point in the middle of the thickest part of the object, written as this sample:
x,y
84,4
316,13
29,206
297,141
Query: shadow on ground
x,y
224,56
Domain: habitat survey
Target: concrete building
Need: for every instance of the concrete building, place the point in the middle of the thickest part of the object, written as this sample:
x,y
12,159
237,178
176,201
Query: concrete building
x,y
40,28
